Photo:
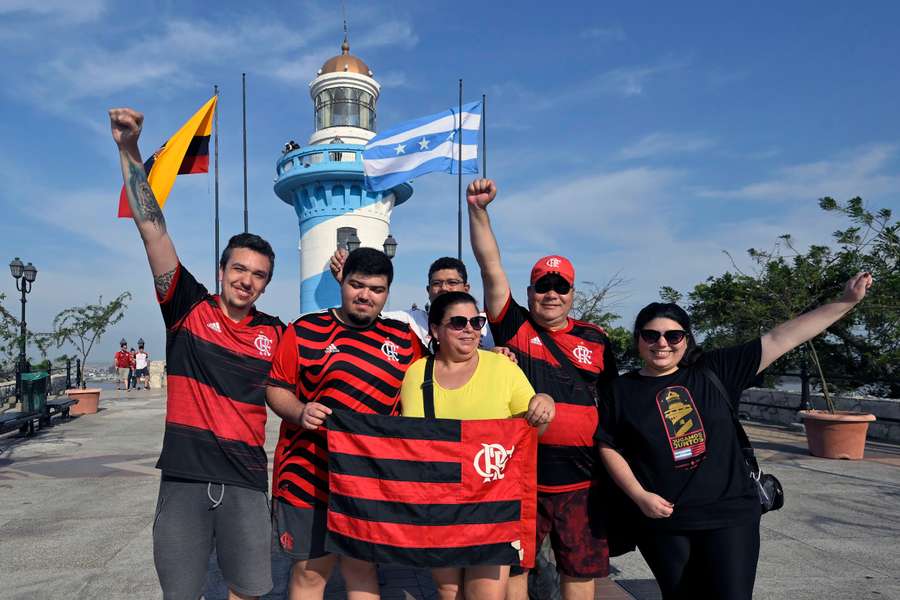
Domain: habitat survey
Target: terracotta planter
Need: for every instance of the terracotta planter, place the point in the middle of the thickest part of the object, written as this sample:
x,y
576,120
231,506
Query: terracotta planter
x,y
88,401
838,435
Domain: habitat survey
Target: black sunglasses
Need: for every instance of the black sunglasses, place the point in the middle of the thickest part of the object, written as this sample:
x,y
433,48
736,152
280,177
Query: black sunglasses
x,y
458,323
651,336
557,284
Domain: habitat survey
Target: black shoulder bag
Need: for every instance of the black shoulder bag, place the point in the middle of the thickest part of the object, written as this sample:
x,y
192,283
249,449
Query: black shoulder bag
x,y
771,494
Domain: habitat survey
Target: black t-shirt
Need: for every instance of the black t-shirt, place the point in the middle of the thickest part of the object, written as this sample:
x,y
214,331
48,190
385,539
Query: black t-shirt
x,y
677,434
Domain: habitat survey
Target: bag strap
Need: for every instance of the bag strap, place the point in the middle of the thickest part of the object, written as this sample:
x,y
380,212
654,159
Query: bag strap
x,y
743,440
564,362
428,388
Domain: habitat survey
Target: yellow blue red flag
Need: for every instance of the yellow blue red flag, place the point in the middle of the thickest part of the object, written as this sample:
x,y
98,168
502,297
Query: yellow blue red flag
x,y
184,153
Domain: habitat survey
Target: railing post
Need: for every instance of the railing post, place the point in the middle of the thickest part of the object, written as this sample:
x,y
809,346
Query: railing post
x,y
78,372
68,373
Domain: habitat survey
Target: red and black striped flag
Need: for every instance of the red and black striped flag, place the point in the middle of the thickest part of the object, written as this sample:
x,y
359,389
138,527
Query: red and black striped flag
x,y
432,492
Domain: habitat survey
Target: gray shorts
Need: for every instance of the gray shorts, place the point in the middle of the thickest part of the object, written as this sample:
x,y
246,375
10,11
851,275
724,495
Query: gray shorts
x,y
300,531
190,522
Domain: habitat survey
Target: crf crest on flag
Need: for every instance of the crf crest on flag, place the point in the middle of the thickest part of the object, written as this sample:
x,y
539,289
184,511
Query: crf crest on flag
x,y
432,492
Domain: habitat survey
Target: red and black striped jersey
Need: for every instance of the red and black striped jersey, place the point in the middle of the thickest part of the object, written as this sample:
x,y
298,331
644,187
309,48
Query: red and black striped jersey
x,y
216,378
323,360
566,454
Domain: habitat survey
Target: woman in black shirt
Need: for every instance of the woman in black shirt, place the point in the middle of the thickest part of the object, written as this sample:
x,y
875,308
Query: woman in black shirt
x,y
667,439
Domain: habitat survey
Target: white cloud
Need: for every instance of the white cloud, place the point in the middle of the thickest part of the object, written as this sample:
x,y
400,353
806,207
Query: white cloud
x,y
68,11
632,81
660,143
859,172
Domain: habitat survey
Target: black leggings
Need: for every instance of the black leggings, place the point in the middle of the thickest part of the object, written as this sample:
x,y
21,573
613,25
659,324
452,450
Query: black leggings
x,y
709,563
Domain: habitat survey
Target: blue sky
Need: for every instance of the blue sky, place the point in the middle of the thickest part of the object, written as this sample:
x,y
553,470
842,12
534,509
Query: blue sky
x,y
637,138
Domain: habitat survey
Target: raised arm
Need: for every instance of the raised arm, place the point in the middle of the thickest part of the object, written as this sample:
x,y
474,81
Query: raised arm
x,y
479,194
126,126
790,334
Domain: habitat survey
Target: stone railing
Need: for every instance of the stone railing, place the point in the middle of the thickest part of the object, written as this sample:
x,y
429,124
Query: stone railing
x,y
775,406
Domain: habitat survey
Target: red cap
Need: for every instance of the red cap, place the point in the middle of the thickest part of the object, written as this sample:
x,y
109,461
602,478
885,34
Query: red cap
x,y
556,265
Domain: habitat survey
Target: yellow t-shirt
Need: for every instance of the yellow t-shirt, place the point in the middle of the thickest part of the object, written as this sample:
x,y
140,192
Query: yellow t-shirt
x,y
498,389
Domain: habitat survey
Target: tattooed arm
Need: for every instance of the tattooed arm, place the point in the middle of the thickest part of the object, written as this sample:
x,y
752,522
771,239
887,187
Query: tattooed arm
x,y
126,129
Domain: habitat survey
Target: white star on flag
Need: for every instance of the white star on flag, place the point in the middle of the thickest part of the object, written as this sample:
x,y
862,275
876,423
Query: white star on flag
x,y
423,144
400,148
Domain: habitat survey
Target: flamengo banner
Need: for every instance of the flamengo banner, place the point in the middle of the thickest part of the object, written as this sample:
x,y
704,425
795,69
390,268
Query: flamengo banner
x,y
432,492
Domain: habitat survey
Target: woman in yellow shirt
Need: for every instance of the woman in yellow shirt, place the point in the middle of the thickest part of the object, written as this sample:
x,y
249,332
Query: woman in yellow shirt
x,y
470,383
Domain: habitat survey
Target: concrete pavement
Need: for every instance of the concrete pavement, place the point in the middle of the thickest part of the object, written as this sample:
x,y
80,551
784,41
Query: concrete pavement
x,y
77,500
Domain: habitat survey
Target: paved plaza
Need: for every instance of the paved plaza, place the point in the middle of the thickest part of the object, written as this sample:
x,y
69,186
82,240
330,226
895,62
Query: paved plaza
x,y
77,501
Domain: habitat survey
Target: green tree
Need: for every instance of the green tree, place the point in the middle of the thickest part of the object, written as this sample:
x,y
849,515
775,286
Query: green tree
x,y
594,304
82,326
11,338
861,350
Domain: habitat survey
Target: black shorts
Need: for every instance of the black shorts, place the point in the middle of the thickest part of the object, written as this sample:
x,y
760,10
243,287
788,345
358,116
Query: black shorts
x,y
145,372
300,531
189,523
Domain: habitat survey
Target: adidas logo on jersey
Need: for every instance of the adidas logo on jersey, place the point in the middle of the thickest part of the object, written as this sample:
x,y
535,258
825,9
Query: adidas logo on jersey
x,y
331,349
215,326
536,340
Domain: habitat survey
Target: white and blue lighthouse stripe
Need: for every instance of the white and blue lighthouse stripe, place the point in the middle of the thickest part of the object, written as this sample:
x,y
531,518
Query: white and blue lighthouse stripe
x,y
422,146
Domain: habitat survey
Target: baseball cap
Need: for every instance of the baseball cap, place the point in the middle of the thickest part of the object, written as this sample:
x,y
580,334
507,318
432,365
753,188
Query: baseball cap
x,y
553,264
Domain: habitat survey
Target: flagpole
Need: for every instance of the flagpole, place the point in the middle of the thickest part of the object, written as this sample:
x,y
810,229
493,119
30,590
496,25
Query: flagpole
x,y
459,170
244,91
483,136
216,149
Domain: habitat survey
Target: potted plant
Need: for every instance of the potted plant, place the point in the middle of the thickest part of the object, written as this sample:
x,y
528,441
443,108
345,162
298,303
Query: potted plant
x,y
857,351
82,326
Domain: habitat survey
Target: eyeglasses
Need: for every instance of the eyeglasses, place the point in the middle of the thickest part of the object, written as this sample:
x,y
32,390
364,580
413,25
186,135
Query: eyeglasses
x,y
558,285
458,323
651,336
446,283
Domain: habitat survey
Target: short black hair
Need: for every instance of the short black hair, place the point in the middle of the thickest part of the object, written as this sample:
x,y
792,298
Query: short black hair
x,y
448,262
669,310
368,262
251,241
439,308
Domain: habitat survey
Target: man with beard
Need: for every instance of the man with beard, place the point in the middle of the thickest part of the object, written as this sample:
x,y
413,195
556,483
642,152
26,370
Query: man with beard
x,y
344,358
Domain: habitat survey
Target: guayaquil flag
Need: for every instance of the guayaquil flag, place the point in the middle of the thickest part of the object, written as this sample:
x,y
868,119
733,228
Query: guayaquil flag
x,y
184,153
432,492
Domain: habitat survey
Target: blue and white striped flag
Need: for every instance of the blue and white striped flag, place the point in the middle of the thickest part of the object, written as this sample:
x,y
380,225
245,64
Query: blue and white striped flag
x,y
423,146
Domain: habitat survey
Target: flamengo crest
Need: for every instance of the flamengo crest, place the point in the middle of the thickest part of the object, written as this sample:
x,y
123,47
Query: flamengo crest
x,y
491,461
263,344
583,354
553,262
389,349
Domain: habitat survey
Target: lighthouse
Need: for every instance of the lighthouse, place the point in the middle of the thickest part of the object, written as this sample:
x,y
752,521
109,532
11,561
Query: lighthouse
x,y
323,181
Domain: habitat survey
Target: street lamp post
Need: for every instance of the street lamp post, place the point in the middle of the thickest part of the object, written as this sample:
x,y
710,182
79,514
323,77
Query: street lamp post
x,y
24,275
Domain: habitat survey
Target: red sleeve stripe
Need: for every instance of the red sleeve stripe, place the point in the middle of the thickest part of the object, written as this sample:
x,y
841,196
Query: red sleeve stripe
x,y
171,289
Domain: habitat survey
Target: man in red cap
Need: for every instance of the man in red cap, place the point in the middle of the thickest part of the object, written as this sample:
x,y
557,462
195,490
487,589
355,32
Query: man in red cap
x,y
564,358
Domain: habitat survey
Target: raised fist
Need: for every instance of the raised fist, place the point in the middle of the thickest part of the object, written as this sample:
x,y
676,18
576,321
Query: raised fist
x,y
126,126
480,193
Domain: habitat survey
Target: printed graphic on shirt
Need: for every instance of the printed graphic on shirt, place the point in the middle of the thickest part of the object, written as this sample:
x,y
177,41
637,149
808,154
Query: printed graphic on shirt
x,y
684,428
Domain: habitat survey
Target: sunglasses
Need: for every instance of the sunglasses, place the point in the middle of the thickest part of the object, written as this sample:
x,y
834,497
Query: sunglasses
x,y
458,323
651,336
558,285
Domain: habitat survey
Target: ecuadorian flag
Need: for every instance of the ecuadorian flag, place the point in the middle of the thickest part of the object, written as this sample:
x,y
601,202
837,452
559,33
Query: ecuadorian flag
x,y
184,153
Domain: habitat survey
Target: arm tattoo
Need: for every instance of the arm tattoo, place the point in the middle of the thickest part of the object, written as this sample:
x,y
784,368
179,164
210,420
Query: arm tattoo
x,y
164,282
143,203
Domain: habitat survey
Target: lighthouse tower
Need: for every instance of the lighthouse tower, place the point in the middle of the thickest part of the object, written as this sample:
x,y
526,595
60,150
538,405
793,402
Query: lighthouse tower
x,y
323,181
